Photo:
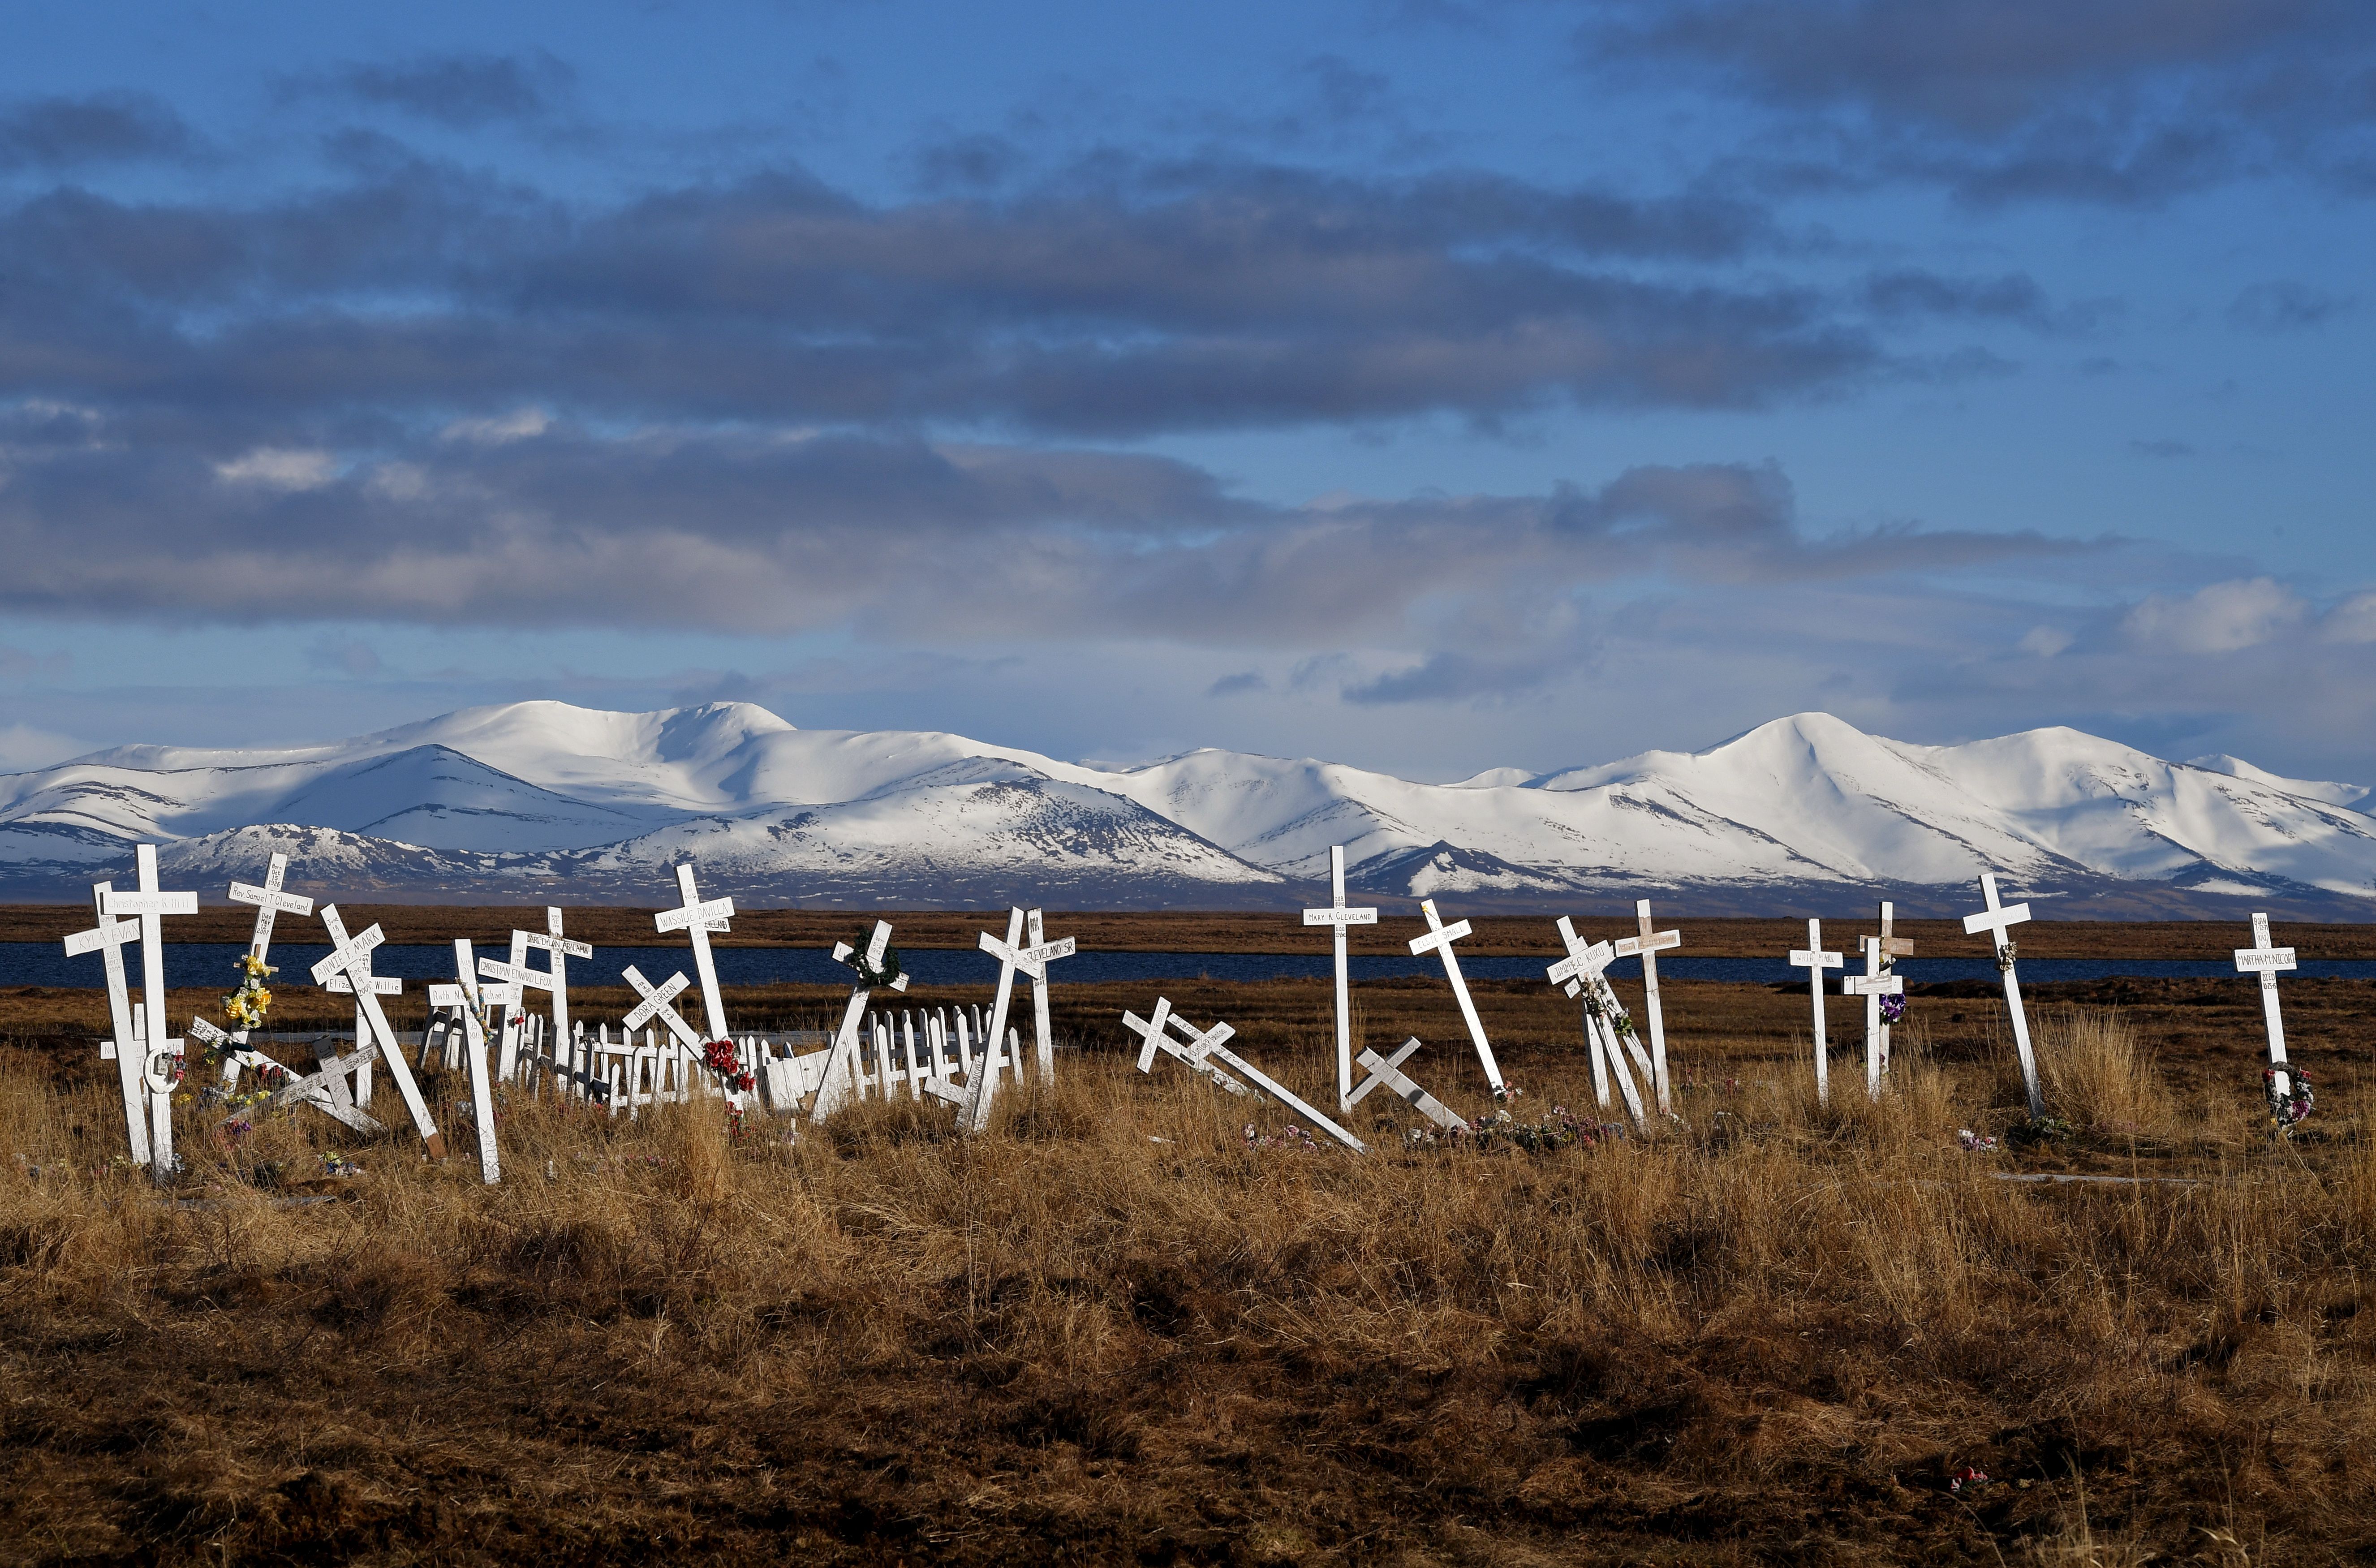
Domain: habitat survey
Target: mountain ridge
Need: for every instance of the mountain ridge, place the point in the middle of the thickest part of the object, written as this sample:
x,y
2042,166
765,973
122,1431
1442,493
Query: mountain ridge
x,y
578,802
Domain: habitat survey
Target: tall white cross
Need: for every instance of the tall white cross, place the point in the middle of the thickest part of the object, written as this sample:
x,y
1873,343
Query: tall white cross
x,y
1648,945
1386,1072
1581,972
1814,960
984,1083
352,957
840,1085
2267,960
1872,985
1998,920
1439,939
269,901
107,939
699,919
1337,917
150,905
1034,961
464,1000
549,940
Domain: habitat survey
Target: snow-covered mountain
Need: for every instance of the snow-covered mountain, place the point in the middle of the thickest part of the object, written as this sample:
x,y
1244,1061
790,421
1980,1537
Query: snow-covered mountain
x,y
492,801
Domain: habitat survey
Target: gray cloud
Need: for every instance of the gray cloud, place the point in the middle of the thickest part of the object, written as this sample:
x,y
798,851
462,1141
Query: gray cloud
x,y
2283,307
58,133
2105,100
462,91
1240,685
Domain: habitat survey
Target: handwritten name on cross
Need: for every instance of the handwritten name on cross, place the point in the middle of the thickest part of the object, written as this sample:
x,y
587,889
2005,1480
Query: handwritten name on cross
x,y
1034,961
839,1084
1439,940
378,985
1151,1030
655,1004
1386,1072
1580,973
1337,918
698,920
269,901
1647,945
108,939
150,905
352,957
2268,961
549,940
1998,920
1814,960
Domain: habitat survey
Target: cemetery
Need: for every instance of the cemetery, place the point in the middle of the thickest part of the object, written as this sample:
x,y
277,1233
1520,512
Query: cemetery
x,y
554,1253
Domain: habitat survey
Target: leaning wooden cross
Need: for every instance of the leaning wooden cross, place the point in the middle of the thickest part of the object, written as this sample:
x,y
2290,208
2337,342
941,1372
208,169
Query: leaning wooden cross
x,y
108,939
352,957
378,985
466,999
2268,961
1194,1053
150,905
1582,972
1814,960
1386,1071
270,901
877,966
981,1086
1998,920
1647,945
1439,939
1208,1044
1337,917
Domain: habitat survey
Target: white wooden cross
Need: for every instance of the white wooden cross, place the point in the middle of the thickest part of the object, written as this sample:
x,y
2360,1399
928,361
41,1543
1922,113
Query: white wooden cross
x,y
515,972
352,957
1440,938
378,985
699,919
1998,920
1582,972
108,939
269,901
1337,917
1200,1043
549,940
982,1086
2267,960
1814,960
150,905
1387,1071
464,1000
1880,953
1034,961
1208,1044
655,1004
1647,945
841,1083
325,1088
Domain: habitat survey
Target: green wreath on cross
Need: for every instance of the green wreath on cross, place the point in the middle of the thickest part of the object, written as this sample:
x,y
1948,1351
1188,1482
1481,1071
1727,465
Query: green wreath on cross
x,y
870,976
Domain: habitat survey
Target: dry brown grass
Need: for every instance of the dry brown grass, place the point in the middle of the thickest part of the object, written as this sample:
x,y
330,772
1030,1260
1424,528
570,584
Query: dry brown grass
x,y
1110,1332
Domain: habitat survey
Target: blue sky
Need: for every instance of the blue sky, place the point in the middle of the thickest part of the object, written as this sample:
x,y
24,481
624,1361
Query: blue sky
x,y
1429,385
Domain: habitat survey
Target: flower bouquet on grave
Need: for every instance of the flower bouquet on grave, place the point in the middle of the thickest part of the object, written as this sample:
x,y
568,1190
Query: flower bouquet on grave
x,y
719,1057
2286,1110
1892,1010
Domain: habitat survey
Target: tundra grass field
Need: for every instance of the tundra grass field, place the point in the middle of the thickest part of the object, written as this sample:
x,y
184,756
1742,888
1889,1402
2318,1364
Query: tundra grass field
x,y
1111,1331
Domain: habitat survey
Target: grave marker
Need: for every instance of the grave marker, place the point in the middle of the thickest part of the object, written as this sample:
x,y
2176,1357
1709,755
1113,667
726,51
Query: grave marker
x,y
352,957
1387,1071
1880,953
982,1088
1439,939
1207,1043
698,920
270,900
1034,961
1582,973
841,1083
2268,961
462,1000
1998,920
1814,960
1337,917
562,949
1194,1054
1647,945
150,905
108,939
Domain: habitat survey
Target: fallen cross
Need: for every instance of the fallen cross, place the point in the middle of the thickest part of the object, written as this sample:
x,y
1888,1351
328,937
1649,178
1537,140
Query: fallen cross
x,y
1386,1072
352,957
1208,1044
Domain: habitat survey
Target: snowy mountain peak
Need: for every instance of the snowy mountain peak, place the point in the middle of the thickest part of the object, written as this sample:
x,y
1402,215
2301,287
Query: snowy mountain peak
x,y
549,793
